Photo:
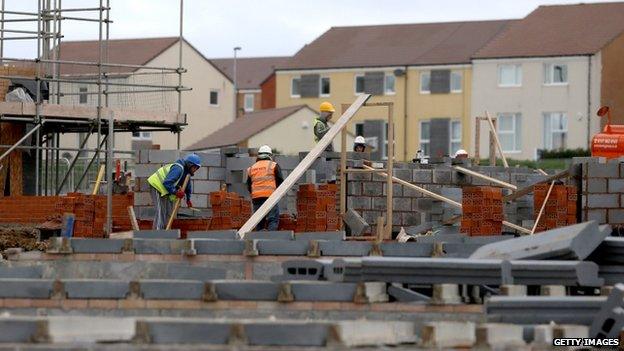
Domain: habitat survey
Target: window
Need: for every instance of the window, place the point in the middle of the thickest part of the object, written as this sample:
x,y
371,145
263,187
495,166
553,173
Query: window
x,y
456,136
214,98
456,81
325,86
555,130
389,82
509,127
425,79
249,102
83,97
359,84
555,73
294,87
425,137
509,75
142,135
359,129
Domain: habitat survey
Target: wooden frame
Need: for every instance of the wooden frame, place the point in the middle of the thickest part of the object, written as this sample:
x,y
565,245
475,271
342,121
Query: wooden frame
x,y
477,154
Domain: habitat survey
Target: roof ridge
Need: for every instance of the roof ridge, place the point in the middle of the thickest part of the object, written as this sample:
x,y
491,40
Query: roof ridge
x,y
119,39
423,23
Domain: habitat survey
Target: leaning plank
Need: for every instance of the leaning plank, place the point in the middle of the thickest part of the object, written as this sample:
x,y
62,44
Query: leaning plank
x,y
498,144
302,166
529,189
482,176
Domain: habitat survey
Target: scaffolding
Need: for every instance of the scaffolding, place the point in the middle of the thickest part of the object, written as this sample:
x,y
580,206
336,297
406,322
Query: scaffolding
x,y
47,120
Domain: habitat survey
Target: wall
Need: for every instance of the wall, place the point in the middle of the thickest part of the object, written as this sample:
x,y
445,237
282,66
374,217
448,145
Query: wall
x,y
343,91
292,134
240,101
612,82
533,98
602,185
427,106
268,92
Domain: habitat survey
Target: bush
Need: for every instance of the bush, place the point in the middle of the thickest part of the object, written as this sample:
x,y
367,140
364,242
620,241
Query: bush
x,y
565,153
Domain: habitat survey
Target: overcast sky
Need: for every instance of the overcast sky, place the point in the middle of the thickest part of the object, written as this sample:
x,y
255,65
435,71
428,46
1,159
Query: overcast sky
x,y
261,28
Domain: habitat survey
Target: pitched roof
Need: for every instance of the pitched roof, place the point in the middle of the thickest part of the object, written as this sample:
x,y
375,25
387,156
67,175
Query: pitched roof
x,y
250,71
559,30
396,44
125,51
245,127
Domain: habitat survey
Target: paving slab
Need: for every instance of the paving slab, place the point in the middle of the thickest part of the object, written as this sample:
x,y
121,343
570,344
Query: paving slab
x,y
323,291
159,246
219,247
213,234
344,248
96,288
281,333
168,289
97,245
28,272
26,288
271,235
282,247
157,234
246,290
166,331
328,236
572,242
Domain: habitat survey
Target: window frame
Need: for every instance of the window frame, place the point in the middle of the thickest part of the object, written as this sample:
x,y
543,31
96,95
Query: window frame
x,y
517,75
82,90
253,102
386,92
548,71
355,128
292,80
321,86
461,82
422,141
551,131
210,98
355,78
142,136
517,134
421,76
456,141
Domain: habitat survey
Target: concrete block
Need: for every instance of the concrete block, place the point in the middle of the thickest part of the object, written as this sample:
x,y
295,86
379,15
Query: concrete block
x,y
157,234
570,331
402,294
344,248
360,202
21,329
239,163
163,156
199,201
499,335
278,333
216,173
402,204
441,176
210,159
422,176
323,291
424,204
271,235
327,236
446,294
246,290
235,177
159,246
303,269
411,218
616,216
448,335
403,174
142,199
201,173
97,245
542,335
408,249
213,234
397,189
219,247
96,288
282,247
600,216
354,188
206,186
356,223
597,185
606,170
145,170
603,200
21,272
372,188
165,289
26,288
379,203
169,331
200,273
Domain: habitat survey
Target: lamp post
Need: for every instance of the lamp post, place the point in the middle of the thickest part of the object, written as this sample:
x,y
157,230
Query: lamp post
x,y
235,86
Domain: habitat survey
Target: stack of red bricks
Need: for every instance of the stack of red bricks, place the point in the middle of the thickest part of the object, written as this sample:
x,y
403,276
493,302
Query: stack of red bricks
x,y
316,208
229,210
287,222
482,211
560,209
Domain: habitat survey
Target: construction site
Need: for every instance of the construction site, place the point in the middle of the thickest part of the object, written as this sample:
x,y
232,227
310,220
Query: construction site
x,y
370,252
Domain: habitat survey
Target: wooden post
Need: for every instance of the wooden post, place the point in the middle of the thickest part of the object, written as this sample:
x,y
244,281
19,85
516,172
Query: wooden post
x,y
477,152
176,207
390,149
541,211
98,180
498,144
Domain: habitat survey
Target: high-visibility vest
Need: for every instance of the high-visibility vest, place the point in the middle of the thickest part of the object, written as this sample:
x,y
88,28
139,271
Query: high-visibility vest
x,y
158,178
317,121
262,175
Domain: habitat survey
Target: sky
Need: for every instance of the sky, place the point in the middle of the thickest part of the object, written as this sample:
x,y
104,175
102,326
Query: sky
x,y
260,28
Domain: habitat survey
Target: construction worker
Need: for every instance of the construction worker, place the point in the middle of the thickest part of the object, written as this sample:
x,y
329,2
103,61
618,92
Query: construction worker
x,y
264,177
165,187
461,154
359,144
321,125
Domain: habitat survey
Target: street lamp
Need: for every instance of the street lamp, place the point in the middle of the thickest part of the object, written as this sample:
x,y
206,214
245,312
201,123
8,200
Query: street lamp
x,y
235,86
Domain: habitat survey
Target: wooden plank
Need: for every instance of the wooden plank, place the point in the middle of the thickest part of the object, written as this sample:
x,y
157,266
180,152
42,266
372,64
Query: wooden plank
x,y
516,227
477,152
302,166
389,188
343,169
541,211
176,207
482,176
529,189
498,144
98,180
133,220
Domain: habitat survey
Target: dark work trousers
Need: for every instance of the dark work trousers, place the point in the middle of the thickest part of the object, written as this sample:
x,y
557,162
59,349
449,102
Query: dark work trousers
x,y
271,220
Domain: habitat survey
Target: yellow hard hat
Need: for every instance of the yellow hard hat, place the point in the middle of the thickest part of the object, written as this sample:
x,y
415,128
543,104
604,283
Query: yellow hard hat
x,y
327,107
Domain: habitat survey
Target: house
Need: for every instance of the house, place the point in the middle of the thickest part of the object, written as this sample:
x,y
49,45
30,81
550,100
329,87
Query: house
x,y
545,77
287,130
423,69
251,72
208,106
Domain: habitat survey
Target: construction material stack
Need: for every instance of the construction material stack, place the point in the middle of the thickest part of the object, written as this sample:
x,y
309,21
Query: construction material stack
x,y
560,209
316,208
229,210
482,211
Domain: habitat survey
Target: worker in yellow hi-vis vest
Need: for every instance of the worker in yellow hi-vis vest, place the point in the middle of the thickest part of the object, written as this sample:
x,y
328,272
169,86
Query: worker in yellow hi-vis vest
x,y
321,125
165,186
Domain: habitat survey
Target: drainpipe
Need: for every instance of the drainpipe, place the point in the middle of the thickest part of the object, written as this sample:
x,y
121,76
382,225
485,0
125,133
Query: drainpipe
x,y
589,65
405,152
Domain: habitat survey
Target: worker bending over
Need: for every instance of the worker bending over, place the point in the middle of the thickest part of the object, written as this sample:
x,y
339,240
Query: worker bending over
x,y
165,187
321,123
264,177
359,144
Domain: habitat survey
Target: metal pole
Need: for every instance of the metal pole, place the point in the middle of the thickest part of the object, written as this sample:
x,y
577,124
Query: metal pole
x,y
180,42
235,85
109,174
86,171
99,80
58,51
56,159
73,163
2,33
106,51
38,104
89,82
19,142
87,63
69,148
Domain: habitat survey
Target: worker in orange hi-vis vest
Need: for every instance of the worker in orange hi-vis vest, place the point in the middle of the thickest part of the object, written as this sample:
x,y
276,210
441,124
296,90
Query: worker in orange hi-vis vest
x,y
264,177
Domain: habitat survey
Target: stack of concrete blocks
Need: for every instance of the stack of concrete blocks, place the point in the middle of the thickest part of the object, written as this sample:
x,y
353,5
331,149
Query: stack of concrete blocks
x,y
207,179
602,186
366,193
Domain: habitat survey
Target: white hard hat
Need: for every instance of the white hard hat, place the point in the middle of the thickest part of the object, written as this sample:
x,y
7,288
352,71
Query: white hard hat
x,y
359,140
461,152
265,149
